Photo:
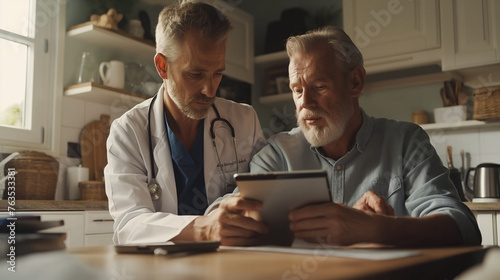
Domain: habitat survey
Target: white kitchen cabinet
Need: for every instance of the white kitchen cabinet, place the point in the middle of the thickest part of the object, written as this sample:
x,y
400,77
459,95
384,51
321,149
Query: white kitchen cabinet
x,y
486,221
73,224
240,45
98,228
471,33
497,227
82,228
394,35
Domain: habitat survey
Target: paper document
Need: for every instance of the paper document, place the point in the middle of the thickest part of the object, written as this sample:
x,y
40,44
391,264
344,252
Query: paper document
x,y
304,248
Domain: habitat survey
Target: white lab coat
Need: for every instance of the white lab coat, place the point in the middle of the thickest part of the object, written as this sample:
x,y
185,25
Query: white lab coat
x,y
139,219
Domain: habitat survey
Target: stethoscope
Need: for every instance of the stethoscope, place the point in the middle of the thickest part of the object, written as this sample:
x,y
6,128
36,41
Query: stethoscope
x,y
154,188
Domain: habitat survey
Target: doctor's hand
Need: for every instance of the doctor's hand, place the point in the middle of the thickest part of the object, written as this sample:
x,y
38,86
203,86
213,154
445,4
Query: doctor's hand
x,y
334,223
235,222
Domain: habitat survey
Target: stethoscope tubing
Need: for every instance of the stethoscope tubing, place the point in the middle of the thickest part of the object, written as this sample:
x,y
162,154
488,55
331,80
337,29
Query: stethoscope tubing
x,y
154,188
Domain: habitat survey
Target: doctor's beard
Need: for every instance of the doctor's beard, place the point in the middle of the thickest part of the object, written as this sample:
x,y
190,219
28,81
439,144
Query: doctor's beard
x,y
335,125
184,106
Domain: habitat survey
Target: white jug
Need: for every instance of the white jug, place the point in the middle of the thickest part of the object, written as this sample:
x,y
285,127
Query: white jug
x,y
113,73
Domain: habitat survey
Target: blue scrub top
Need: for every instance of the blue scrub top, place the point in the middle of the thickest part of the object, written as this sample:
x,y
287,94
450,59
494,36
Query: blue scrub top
x,y
189,175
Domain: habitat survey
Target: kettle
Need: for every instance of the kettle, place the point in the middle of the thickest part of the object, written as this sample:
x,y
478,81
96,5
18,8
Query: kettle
x,y
486,186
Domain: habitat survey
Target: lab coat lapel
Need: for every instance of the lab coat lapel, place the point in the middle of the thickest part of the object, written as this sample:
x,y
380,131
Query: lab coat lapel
x,y
212,174
163,159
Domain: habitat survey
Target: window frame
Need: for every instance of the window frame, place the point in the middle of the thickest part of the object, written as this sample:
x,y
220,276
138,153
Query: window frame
x,y
46,85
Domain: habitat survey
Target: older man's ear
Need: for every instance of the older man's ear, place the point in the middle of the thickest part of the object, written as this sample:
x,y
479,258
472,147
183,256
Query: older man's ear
x,y
357,80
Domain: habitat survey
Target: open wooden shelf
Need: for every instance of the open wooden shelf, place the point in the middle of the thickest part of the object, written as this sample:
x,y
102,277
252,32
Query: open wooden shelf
x,y
276,98
97,93
113,39
271,58
458,125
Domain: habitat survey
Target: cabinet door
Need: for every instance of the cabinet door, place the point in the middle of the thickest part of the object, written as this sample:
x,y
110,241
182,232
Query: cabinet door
x,y
471,33
73,225
497,216
486,222
98,222
394,34
98,239
240,45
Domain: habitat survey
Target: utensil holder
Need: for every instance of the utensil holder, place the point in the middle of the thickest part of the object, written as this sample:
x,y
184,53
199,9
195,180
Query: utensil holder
x,y
450,114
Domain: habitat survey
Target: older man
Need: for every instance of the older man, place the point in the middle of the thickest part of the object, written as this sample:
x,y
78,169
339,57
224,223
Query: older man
x,y
387,182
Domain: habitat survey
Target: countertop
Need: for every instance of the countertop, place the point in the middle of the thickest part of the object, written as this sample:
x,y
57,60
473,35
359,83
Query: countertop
x,y
80,205
55,205
483,206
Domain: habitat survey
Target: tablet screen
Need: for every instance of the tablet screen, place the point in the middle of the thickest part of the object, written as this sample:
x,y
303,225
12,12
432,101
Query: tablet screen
x,y
281,192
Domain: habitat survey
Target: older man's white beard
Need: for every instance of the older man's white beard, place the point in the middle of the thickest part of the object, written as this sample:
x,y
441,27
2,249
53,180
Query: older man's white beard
x,y
333,130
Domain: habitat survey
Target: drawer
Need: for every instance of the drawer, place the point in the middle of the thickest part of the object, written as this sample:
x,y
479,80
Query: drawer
x,y
98,222
103,239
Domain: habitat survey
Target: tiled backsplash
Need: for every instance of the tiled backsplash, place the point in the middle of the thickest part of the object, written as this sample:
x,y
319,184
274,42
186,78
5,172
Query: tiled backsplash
x,y
76,114
479,144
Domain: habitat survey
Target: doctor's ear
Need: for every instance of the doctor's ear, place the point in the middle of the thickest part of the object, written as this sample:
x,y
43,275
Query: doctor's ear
x,y
161,65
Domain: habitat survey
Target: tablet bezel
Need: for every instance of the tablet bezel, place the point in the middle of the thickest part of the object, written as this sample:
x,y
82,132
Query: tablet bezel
x,y
168,247
281,192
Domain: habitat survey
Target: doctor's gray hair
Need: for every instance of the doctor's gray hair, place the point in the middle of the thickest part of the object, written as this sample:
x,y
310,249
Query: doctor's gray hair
x,y
344,49
175,20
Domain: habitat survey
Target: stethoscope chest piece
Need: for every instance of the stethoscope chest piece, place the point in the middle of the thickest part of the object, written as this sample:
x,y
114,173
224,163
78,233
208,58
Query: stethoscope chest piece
x,y
154,190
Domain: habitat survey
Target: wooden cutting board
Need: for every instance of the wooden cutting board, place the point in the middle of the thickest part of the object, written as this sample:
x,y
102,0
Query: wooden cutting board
x,y
93,147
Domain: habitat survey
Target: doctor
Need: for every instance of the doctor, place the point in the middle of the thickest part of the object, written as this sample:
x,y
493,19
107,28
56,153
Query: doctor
x,y
171,156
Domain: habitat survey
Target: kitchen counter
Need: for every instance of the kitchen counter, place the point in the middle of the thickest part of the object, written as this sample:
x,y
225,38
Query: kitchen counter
x,y
69,205
55,205
483,206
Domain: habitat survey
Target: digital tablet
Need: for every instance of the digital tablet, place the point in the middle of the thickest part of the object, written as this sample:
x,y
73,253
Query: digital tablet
x,y
169,247
281,192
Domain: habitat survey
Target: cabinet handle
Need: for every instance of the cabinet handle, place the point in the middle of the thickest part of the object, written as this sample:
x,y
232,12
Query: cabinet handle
x,y
103,220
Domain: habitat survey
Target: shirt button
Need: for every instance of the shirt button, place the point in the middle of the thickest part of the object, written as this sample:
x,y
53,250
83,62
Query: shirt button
x,y
338,167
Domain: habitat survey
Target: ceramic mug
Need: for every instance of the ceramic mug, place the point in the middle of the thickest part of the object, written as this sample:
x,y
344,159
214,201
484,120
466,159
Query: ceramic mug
x,y
113,73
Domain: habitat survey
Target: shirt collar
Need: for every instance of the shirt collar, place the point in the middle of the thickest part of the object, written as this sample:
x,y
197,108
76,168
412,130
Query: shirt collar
x,y
364,132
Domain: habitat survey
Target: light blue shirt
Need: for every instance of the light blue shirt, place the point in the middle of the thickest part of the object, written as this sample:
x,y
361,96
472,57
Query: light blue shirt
x,y
394,159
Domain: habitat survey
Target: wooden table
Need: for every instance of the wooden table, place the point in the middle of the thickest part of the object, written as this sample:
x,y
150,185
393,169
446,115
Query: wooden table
x,y
436,263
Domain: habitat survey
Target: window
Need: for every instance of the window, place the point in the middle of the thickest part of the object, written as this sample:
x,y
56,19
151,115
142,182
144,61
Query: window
x,y
27,71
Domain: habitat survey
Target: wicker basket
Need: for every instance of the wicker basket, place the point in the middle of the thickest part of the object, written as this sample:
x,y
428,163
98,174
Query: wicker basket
x,y
92,190
36,175
487,103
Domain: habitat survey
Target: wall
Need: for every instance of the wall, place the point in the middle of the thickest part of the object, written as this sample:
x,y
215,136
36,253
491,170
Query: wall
x,y
479,144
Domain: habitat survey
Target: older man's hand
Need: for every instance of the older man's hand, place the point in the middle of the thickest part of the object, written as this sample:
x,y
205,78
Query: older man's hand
x,y
371,202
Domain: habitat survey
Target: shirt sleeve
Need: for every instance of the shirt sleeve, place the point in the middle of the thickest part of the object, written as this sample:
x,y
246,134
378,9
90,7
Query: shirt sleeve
x,y
429,189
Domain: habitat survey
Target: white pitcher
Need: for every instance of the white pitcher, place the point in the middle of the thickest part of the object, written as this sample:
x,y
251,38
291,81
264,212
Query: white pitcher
x,y
113,73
